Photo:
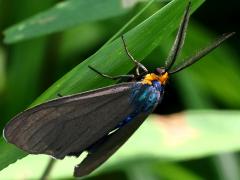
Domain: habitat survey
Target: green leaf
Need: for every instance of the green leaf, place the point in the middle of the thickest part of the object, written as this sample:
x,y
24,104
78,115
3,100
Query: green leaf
x,y
133,168
111,59
63,15
82,38
9,153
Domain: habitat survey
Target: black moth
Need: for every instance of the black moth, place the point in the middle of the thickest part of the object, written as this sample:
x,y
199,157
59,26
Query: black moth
x,y
98,121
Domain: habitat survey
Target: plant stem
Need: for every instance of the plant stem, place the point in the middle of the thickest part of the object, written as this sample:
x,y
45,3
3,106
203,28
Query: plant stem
x,y
48,169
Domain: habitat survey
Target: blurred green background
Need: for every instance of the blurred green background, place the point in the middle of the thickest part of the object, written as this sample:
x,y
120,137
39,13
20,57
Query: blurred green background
x,y
46,47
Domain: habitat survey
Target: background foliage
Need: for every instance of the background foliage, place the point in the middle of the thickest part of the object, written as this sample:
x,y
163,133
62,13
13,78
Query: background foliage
x,y
47,46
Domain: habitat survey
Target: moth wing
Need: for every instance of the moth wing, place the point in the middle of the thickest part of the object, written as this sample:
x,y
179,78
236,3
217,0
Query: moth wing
x,y
70,124
107,148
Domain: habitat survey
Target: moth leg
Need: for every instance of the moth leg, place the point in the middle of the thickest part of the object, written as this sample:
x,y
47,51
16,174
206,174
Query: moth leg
x,y
137,64
112,77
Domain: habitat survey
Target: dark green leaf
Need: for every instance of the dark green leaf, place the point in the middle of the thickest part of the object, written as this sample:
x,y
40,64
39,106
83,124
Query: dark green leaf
x,y
63,15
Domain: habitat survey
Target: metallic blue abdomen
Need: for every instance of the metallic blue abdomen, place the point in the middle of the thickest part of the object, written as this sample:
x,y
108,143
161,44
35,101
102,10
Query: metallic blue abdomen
x,y
144,98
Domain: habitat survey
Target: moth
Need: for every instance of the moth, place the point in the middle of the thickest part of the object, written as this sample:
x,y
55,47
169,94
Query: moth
x,y
99,121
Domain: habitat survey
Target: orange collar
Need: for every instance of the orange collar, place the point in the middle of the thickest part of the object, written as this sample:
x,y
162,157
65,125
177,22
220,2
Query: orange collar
x,y
153,77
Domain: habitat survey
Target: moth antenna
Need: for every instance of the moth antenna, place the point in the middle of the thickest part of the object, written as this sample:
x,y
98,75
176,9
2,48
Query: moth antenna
x,y
179,40
193,59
